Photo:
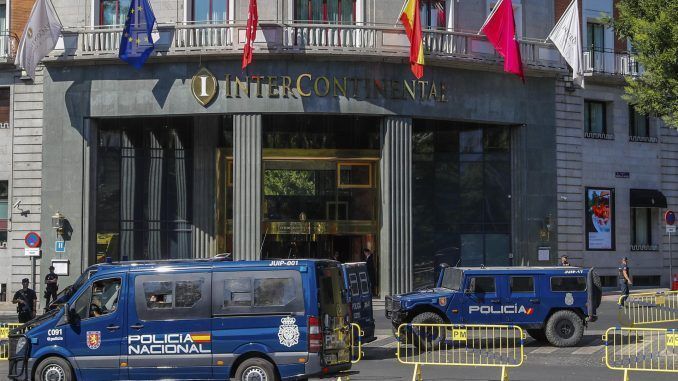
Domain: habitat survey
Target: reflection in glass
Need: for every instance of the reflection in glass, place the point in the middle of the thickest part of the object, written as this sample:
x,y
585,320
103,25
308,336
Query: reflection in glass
x,y
461,187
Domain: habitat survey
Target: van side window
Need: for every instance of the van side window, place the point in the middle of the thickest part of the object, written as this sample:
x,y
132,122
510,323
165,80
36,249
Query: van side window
x,y
523,284
185,296
568,283
100,299
257,292
364,283
482,285
353,280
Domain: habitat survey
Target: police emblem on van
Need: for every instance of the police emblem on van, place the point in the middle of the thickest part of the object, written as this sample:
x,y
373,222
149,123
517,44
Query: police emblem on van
x,y
93,339
288,333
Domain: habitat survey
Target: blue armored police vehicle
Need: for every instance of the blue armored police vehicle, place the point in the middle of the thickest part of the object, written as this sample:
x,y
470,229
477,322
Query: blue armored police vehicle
x,y
553,304
191,320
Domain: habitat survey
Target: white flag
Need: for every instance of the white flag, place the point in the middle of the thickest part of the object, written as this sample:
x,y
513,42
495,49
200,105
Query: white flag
x,y
40,36
566,35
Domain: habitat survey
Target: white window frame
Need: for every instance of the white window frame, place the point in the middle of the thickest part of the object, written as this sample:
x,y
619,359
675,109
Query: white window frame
x,y
359,11
188,7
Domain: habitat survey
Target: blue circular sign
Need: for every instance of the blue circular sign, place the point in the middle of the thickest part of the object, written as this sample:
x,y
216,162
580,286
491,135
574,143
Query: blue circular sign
x,y
33,240
670,217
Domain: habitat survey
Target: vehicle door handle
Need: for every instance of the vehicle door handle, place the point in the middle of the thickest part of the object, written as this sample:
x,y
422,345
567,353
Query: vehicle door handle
x,y
495,301
137,326
534,300
113,327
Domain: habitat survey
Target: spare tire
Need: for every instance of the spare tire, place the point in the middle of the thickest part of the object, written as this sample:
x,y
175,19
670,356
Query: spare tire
x,y
597,289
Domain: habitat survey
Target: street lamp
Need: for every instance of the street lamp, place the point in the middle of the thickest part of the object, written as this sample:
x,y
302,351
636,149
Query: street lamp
x,y
58,223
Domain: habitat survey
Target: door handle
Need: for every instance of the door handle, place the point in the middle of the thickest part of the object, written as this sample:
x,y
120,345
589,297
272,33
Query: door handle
x,y
113,327
534,300
495,301
137,326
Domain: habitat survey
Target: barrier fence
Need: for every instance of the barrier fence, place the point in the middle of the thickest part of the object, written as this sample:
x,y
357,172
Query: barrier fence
x,y
641,350
648,308
460,345
5,328
356,343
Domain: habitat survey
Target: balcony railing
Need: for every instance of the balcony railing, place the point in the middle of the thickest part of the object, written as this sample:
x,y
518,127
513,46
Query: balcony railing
x,y
606,62
364,40
8,46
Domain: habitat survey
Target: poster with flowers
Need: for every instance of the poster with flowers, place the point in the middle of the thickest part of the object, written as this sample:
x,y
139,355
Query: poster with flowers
x,y
600,219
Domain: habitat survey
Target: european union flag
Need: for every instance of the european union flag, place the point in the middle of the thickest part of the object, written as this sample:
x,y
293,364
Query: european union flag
x,y
136,44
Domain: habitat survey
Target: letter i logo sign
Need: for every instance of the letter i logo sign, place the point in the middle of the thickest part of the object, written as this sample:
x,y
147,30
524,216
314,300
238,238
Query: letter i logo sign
x,y
204,86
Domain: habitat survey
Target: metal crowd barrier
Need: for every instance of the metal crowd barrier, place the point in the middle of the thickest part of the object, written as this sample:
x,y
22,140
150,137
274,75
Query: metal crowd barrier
x,y
641,349
4,338
356,343
461,345
648,308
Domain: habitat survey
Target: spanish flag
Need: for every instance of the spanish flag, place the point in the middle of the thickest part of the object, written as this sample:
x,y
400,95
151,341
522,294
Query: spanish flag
x,y
409,16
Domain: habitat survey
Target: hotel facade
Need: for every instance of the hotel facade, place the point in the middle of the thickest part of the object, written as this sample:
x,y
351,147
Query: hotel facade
x,y
327,145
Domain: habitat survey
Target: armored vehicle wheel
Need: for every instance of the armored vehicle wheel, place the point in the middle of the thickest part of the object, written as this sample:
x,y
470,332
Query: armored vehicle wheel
x,y
255,369
54,369
426,336
564,329
537,334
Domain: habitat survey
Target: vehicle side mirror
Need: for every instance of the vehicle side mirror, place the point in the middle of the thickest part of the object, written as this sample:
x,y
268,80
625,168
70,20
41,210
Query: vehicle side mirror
x,y
468,291
72,316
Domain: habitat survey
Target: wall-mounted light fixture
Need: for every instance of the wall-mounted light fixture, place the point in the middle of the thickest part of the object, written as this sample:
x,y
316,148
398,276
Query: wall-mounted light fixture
x,y
58,221
569,84
546,229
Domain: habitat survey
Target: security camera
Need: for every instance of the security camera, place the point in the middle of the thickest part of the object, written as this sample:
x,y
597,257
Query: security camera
x,y
17,204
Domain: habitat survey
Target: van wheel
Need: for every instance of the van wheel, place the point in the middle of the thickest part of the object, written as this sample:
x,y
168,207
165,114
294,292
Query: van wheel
x,y
255,369
537,334
426,337
54,369
564,329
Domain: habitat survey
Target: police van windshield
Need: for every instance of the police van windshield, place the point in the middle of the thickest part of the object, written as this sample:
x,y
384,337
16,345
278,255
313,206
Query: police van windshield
x,y
452,279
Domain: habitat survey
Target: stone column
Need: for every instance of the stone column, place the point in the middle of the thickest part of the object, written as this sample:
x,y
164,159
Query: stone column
x,y
205,140
246,186
395,254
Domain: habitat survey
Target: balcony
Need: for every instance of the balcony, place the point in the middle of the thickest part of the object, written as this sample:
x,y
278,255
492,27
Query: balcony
x,y
362,41
8,46
610,63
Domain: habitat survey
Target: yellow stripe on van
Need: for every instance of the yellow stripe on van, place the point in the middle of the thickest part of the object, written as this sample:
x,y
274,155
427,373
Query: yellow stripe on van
x,y
201,337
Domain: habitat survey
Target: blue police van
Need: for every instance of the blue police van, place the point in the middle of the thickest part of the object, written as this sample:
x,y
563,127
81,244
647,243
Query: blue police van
x,y
192,320
553,304
359,289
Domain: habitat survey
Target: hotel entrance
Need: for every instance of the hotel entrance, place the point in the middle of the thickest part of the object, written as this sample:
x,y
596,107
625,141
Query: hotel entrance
x,y
320,193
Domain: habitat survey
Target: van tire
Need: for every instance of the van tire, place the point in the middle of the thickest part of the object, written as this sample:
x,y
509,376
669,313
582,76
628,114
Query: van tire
x,y
256,365
54,366
564,329
427,318
538,335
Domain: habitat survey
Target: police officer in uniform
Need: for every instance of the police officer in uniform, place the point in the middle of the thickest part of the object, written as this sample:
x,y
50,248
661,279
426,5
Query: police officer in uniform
x,y
625,278
51,286
25,301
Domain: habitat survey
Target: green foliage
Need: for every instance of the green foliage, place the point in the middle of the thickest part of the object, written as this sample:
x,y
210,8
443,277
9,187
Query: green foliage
x,y
289,183
652,27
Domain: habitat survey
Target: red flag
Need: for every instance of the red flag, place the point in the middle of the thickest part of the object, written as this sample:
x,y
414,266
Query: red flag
x,y
500,29
250,33
409,16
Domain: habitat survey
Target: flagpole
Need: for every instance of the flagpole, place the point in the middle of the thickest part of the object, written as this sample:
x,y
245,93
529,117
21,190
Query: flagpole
x,y
57,14
496,6
399,14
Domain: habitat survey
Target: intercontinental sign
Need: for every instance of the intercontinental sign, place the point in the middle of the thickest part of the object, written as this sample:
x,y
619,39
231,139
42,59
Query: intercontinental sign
x,y
205,87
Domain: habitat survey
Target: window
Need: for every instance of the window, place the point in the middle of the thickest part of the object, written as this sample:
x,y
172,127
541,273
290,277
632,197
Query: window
x,y
364,283
113,12
433,14
595,118
354,175
452,279
100,299
595,36
210,10
639,124
641,227
522,284
326,11
186,296
608,281
482,285
353,280
257,292
4,99
568,283
646,280
4,212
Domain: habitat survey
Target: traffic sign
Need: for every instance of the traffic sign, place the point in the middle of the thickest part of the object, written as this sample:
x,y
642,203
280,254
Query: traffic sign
x,y
32,240
32,251
670,228
59,246
670,217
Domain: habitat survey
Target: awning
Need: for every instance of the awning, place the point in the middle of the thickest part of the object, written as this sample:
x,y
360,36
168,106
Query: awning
x,y
647,198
